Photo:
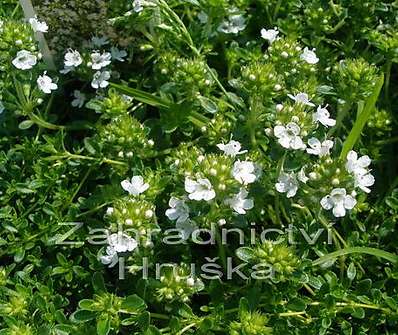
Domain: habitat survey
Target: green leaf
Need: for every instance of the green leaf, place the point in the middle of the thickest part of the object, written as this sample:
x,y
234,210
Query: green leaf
x,y
185,312
297,305
144,320
61,259
98,282
87,304
82,316
59,270
245,254
244,307
358,313
26,124
89,147
133,304
362,118
103,325
209,105
362,250
142,96
351,271
152,330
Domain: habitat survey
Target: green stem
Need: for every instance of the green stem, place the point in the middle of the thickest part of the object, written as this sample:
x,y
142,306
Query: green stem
x,y
355,304
68,155
44,124
277,199
78,188
183,330
221,249
276,11
387,80
159,316
362,250
342,113
188,40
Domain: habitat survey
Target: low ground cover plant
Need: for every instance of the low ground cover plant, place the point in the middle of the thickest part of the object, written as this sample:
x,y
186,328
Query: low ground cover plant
x,y
198,167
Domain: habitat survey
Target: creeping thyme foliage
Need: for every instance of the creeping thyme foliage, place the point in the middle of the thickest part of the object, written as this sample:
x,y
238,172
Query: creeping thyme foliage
x,y
198,167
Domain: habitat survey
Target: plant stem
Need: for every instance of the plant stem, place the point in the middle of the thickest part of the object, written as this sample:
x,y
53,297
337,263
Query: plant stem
x,y
387,80
68,155
221,249
159,316
42,123
362,250
183,330
277,200
342,113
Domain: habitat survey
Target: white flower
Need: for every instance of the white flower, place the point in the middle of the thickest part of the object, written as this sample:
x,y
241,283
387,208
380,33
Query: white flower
x,y
117,243
309,56
201,189
322,115
203,17
100,60
100,79
289,136
239,203
118,54
137,6
364,181
244,172
339,201
122,242
24,60
99,41
301,176
232,148
186,228
46,84
318,148
72,58
270,35
287,183
38,26
79,100
2,108
301,98
233,25
178,210
135,186
359,168
355,165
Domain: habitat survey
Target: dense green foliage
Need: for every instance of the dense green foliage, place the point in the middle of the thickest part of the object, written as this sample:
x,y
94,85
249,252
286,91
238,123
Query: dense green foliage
x,y
191,117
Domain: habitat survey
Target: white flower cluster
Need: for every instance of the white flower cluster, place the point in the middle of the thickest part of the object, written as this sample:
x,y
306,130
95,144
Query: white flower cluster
x,y
201,189
98,61
291,136
117,243
26,60
338,200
